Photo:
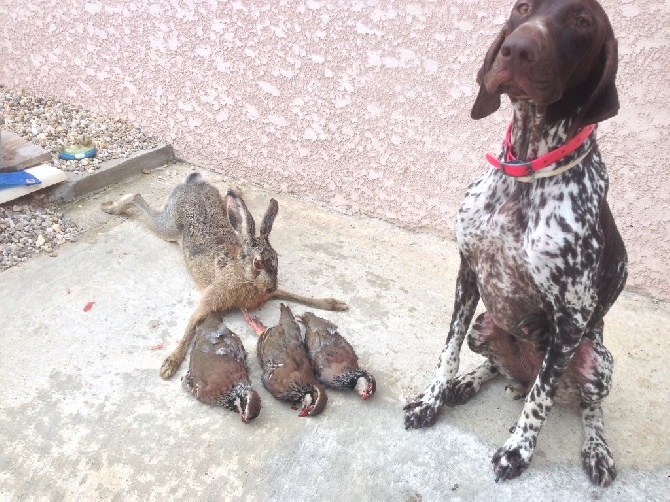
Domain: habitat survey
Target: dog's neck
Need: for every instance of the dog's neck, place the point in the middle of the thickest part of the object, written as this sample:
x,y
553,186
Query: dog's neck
x,y
531,136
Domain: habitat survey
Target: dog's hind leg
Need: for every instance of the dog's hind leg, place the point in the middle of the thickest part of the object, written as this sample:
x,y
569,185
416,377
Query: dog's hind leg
x,y
461,389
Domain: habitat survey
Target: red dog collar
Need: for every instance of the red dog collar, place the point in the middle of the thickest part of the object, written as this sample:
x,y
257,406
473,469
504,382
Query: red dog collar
x,y
511,166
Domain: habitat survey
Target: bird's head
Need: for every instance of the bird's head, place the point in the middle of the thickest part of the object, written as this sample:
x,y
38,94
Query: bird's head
x,y
366,385
250,405
314,401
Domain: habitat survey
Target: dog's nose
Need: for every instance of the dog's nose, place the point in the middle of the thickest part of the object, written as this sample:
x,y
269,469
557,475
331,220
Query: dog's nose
x,y
520,49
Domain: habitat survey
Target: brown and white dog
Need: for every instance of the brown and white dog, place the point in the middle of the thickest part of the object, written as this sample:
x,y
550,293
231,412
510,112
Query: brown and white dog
x,y
538,242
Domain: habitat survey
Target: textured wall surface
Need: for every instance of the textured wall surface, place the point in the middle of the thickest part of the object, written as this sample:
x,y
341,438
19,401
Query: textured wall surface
x,y
361,105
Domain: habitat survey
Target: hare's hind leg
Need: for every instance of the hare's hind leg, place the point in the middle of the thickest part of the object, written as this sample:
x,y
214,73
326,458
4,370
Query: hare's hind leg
x,y
162,223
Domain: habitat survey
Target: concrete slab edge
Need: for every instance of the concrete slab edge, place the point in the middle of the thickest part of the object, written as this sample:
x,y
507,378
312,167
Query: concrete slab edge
x,y
110,173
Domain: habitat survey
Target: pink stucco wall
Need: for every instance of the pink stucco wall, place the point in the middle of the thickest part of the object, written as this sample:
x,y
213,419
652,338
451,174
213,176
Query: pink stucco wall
x,y
361,105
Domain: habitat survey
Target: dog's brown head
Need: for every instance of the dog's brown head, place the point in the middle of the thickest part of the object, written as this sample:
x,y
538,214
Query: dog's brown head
x,y
561,54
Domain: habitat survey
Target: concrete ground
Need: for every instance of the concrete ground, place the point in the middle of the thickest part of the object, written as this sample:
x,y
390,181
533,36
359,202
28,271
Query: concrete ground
x,y
85,414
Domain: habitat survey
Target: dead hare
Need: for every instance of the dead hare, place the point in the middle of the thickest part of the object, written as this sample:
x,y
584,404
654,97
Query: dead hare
x,y
231,265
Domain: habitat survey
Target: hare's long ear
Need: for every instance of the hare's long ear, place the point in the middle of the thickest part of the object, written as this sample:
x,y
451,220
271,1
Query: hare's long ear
x,y
269,218
239,216
603,103
487,103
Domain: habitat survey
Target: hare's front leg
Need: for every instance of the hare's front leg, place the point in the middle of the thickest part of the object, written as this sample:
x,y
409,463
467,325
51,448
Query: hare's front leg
x,y
422,412
210,301
162,223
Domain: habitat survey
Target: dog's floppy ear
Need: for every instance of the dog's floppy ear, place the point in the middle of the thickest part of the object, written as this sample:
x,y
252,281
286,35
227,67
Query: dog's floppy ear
x,y
603,103
486,103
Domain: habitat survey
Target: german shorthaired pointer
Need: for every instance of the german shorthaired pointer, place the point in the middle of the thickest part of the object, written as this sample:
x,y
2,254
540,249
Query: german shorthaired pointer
x,y
537,239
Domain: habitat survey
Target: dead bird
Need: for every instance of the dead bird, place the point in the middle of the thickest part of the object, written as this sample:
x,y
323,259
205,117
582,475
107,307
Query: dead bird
x,y
287,372
333,358
218,373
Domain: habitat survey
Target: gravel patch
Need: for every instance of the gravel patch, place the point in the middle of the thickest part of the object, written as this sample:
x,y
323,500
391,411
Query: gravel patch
x,y
53,125
30,226
28,229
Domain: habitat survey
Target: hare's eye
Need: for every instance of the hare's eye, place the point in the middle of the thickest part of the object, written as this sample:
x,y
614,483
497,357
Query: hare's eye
x,y
522,8
258,264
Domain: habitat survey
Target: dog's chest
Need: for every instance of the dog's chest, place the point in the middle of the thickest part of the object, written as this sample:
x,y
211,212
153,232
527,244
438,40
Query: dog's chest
x,y
492,228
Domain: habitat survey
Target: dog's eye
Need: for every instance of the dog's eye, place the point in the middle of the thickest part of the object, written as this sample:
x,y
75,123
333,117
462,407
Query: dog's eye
x,y
523,8
582,22
258,264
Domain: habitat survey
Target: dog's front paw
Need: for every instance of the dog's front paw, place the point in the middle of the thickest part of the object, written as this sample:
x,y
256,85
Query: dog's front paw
x,y
460,391
510,462
422,412
598,462
515,391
